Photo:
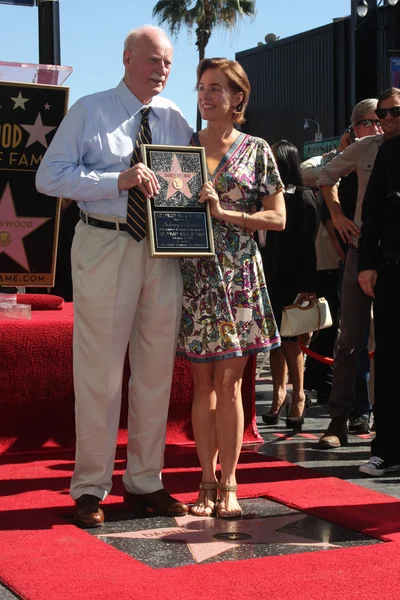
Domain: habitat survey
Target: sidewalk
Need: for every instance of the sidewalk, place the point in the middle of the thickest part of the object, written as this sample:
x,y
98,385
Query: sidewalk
x,y
301,448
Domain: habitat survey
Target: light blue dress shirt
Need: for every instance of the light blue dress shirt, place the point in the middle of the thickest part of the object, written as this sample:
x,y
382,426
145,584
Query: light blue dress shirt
x,y
94,144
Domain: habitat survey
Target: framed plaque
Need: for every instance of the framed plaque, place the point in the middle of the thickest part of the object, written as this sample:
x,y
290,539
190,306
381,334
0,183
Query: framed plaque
x,y
178,225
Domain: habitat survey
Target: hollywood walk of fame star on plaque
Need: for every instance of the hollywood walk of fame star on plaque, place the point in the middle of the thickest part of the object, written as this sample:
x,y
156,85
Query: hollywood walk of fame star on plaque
x,y
178,225
29,220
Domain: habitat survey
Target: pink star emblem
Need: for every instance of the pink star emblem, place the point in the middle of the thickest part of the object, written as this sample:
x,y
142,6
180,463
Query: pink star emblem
x,y
37,132
13,229
199,534
177,179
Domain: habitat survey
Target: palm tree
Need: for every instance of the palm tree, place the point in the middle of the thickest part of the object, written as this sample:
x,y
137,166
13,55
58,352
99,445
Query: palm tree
x,y
205,15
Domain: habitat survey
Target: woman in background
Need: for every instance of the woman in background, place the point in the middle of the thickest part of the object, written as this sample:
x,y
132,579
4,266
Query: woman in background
x,y
226,310
290,266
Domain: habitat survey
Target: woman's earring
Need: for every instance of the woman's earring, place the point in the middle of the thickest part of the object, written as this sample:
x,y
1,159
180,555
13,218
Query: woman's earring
x,y
235,113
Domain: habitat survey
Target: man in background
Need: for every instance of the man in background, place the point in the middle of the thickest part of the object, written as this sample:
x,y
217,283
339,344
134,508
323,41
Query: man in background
x,y
379,278
356,306
331,251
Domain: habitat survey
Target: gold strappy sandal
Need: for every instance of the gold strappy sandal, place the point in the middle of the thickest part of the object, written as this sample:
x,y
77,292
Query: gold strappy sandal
x,y
222,511
205,505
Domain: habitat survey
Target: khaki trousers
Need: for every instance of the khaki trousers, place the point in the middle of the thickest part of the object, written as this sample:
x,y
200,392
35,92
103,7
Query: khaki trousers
x,y
121,297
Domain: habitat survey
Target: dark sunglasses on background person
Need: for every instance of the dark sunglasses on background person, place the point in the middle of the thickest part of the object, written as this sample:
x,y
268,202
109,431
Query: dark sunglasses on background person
x,y
369,122
381,113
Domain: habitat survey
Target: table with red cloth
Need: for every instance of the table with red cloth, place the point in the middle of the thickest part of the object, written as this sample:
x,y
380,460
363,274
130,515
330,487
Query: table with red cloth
x,y
36,387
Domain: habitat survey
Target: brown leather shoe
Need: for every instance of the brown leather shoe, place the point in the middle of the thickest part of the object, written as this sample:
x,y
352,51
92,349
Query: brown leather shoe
x,y
160,501
335,436
88,512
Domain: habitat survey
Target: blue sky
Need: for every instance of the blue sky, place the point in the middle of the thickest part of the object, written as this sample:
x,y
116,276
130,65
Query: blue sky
x,y
93,31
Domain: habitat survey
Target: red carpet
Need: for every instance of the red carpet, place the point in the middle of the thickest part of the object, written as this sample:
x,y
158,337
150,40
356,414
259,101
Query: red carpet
x,y
41,301
43,558
37,399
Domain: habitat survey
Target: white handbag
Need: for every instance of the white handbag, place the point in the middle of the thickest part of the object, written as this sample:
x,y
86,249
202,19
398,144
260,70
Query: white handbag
x,y
298,319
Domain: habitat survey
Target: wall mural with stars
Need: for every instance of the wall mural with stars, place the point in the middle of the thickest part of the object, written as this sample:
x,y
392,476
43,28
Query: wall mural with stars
x,y
29,117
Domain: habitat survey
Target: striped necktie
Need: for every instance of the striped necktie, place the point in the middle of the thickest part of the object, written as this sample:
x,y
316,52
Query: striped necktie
x,y
136,216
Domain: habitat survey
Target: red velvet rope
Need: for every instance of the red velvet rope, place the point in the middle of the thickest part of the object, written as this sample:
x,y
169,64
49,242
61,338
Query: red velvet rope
x,y
324,359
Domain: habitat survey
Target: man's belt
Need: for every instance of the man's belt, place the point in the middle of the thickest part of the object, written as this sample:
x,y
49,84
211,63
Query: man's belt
x,y
103,224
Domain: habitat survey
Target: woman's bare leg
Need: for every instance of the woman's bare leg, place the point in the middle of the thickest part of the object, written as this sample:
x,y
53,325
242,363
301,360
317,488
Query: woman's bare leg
x,y
204,429
228,376
279,373
295,361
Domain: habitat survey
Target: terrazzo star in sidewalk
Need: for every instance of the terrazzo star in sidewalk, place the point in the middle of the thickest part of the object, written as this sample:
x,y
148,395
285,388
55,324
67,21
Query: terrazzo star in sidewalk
x,y
200,536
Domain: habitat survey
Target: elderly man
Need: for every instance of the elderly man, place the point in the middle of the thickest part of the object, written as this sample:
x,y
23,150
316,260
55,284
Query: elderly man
x,y
356,306
121,296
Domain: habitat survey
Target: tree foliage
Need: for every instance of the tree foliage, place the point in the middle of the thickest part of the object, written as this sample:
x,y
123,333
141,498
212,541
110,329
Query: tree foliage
x,y
203,15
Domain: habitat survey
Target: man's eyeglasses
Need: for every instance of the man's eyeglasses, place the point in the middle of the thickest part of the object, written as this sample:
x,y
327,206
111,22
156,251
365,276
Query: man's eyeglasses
x,y
381,113
369,122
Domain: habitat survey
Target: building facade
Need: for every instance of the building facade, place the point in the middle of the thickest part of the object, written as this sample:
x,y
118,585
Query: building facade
x,y
309,76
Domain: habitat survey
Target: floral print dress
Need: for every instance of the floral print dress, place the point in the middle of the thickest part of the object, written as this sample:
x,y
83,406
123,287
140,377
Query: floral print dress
x,y
226,308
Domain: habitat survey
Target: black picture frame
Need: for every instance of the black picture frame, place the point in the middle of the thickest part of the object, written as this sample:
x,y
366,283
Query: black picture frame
x,y
178,225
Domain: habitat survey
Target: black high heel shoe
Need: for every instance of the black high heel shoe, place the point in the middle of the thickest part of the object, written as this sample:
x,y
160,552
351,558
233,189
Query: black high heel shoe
x,y
272,418
296,423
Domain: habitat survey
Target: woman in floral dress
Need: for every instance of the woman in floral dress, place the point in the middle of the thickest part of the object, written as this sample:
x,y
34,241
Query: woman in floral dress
x,y
226,310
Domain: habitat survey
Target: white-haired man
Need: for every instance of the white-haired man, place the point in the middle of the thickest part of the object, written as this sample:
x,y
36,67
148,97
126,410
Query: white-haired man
x,y
121,296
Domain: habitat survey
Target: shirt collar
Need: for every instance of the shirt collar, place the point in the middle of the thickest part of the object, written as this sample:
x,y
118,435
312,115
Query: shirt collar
x,y
378,138
131,103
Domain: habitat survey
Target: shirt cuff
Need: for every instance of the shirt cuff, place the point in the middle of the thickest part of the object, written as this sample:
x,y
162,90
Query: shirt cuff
x,y
109,185
327,179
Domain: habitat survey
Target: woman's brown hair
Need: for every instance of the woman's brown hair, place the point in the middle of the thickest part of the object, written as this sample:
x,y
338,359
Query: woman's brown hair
x,y
238,81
